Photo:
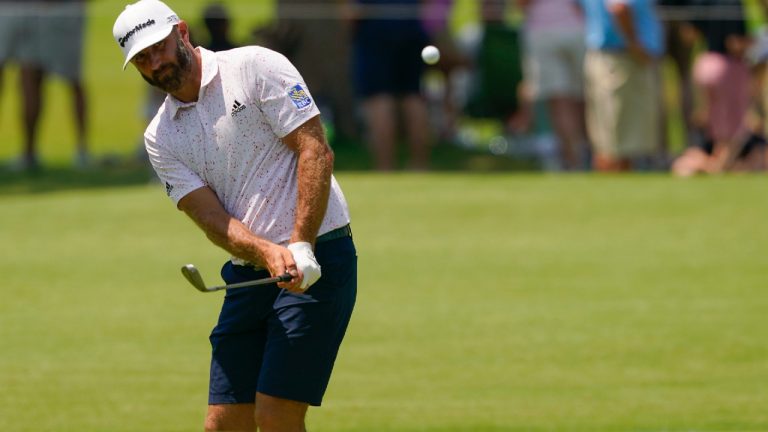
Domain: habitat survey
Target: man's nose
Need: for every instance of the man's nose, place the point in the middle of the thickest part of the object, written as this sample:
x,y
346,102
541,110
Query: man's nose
x,y
155,60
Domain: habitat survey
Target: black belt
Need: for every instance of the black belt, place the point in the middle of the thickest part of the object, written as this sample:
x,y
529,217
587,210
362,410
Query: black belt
x,y
338,233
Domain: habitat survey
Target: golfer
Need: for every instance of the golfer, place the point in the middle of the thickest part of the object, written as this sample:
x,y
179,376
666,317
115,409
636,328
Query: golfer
x,y
240,148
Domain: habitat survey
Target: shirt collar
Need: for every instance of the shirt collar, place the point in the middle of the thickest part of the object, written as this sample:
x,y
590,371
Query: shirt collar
x,y
210,70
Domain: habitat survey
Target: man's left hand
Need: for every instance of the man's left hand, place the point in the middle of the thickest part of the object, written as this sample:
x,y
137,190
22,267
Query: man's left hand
x,y
306,263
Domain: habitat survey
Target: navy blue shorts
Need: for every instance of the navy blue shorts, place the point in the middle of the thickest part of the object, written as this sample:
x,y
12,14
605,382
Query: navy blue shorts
x,y
281,344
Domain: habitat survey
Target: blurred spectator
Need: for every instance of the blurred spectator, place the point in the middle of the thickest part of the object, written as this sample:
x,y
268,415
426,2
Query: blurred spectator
x,y
624,43
315,39
216,20
554,65
759,56
8,33
725,95
497,78
387,40
680,43
435,14
44,38
19,43
63,25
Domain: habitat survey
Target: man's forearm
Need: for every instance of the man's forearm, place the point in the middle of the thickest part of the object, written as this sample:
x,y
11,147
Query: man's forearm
x,y
237,239
205,209
314,185
314,169
622,13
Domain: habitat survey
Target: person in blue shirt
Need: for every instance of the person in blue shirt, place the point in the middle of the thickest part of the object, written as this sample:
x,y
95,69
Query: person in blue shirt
x,y
624,41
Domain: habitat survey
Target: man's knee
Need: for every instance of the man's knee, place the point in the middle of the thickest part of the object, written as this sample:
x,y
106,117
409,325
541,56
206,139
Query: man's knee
x,y
234,417
276,414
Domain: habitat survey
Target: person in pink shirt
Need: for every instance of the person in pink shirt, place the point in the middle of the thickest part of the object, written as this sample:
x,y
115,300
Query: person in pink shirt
x,y
554,57
725,94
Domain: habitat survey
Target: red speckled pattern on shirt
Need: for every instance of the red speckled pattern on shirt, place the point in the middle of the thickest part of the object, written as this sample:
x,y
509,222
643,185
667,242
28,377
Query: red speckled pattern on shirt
x,y
229,140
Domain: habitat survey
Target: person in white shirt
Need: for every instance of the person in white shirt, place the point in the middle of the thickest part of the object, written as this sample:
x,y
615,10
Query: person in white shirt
x,y
240,148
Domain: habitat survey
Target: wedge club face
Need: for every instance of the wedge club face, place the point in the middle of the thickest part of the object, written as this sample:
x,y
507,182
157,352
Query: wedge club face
x,y
193,276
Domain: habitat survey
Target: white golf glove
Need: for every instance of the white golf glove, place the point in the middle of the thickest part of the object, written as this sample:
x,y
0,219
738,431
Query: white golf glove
x,y
306,262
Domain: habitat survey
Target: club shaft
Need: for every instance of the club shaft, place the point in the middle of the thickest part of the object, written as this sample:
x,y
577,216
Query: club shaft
x,y
252,283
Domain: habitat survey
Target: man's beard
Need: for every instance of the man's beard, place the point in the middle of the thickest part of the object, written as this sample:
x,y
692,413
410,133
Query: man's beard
x,y
170,77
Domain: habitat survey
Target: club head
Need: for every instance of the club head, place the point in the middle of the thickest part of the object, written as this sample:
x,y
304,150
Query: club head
x,y
193,276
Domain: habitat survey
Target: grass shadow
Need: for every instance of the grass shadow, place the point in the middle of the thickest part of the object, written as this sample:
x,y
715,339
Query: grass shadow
x,y
58,178
350,156
354,156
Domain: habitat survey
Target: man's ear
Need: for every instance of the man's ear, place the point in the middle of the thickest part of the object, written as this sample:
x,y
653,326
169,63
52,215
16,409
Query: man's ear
x,y
183,30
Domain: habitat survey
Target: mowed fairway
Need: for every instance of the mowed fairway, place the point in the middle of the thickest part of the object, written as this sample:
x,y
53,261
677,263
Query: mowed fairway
x,y
487,303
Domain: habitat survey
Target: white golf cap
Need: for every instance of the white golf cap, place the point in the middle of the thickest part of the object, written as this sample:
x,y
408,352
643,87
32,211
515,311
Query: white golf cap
x,y
142,24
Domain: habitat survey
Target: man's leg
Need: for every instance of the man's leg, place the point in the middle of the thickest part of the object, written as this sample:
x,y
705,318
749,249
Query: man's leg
x,y
279,415
270,413
230,417
567,115
380,115
2,68
419,131
31,84
79,105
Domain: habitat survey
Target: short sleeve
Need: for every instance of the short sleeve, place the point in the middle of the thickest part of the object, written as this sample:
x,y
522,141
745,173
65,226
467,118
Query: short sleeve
x,y
282,95
176,177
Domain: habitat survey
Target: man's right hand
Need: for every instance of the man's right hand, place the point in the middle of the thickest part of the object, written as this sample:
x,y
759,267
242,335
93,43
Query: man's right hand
x,y
279,260
203,206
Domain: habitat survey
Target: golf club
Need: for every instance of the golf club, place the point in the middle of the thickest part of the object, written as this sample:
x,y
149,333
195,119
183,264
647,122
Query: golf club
x,y
191,273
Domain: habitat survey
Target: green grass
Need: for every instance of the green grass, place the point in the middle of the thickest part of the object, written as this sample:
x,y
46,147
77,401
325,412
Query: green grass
x,y
488,302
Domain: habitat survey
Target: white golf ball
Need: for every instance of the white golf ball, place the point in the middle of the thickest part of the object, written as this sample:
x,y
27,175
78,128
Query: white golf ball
x,y
430,54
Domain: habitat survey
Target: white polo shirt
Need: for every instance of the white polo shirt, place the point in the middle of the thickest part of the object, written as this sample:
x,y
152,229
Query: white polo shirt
x,y
229,140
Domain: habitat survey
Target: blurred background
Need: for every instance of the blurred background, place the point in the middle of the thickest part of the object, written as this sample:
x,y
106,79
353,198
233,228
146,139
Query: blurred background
x,y
538,295
508,93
